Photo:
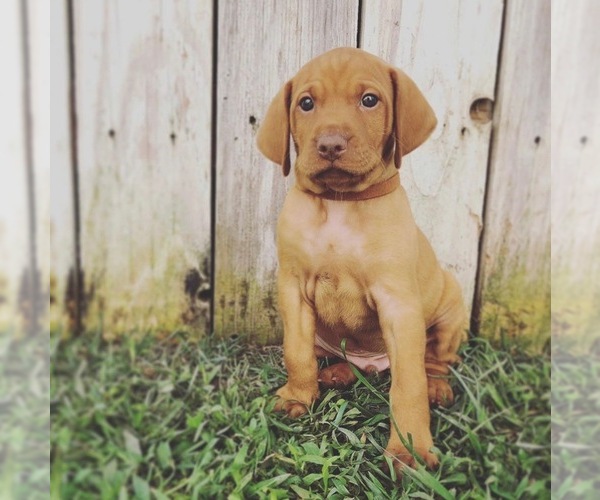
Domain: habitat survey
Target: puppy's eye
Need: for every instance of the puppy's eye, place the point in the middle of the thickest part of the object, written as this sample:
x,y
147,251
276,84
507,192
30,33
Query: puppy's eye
x,y
369,100
306,103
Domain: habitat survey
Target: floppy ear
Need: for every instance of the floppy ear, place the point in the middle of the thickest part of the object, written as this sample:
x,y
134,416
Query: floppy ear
x,y
414,120
273,139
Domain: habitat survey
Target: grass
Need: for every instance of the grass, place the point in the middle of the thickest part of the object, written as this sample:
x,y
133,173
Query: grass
x,y
180,419
576,424
24,416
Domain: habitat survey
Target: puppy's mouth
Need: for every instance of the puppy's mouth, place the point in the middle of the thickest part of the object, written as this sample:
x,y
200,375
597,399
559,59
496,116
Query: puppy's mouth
x,y
334,177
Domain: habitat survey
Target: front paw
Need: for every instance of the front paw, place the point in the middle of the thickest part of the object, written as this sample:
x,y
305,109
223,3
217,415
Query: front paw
x,y
402,457
295,402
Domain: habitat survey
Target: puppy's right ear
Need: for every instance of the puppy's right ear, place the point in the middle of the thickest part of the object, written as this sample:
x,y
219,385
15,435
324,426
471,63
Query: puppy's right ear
x,y
273,138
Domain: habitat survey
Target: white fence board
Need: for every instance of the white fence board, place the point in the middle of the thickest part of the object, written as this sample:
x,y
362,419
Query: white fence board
x,y
39,49
260,48
62,227
14,236
144,100
575,139
515,280
450,49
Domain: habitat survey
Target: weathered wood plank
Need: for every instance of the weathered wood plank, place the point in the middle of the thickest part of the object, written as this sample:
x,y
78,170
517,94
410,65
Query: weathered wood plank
x,y
38,17
515,261
24,228
62,232
260,47
450,49
575,139
14,233
144,71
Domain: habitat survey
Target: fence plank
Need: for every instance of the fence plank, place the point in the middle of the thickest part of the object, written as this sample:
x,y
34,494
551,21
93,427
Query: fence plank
x,y
450,49
515,260
259,49
14,234
575,143
62,239
39,48
144,100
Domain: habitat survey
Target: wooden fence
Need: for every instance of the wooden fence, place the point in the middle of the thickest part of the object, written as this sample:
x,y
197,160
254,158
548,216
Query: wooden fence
x,y
163,211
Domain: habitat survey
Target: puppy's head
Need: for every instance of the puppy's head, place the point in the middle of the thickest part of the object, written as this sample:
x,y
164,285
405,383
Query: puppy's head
x,y
349,114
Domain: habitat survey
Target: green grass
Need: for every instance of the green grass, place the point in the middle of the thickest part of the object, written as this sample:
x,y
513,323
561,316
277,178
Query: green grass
x,y
575,424
181,419
24,416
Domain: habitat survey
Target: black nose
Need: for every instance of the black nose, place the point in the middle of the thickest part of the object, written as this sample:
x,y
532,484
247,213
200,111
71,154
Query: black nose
x,y
331,146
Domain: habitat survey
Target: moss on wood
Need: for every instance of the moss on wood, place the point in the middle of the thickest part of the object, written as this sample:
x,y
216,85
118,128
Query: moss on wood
x,y
515,310
575,311
246,306
173,297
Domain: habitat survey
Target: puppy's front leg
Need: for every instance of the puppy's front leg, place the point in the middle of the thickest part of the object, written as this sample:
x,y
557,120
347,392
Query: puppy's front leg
x,y
403,330
300,359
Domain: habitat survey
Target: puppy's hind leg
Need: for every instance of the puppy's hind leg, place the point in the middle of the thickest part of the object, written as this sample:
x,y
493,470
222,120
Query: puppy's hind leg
x,y
443,340
337,376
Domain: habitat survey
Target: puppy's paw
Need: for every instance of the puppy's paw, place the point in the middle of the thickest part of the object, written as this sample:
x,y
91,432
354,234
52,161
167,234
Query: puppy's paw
x,y
439,392
294,402
337,376
402,458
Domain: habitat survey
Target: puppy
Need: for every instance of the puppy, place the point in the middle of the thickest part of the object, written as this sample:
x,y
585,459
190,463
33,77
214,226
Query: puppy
x,y
357,278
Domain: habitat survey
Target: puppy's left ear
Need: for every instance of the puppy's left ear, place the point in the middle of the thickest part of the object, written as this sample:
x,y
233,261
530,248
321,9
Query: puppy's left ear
x,y
414,120
273,138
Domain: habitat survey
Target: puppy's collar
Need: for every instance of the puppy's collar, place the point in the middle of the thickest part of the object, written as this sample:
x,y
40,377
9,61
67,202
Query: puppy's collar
x,y
373,191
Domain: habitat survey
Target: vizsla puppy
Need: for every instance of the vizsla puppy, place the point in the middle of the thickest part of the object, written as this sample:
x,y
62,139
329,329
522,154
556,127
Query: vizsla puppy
x,y
352,263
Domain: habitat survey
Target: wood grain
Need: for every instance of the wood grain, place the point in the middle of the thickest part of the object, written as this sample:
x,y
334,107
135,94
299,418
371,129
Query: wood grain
x,y
14,233
41,127
575,139
25,193
144,98
62,217
450,49
515,260
260,48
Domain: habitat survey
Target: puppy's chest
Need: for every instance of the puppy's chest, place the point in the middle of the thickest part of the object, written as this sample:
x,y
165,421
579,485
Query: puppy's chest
x,y
334,245
335,266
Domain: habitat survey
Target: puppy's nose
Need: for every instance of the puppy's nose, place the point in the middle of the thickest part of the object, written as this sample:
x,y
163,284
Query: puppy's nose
x,y
331,146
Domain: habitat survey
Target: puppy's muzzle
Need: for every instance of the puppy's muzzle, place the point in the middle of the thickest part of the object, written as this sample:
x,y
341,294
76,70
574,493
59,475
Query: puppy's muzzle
x,y
336,175
331,146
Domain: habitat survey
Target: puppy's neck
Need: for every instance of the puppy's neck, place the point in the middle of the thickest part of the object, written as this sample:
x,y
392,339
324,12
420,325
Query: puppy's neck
x,y
373,191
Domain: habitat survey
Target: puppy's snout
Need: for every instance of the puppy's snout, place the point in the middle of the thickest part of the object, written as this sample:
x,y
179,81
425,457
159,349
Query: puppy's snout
x,y
331,146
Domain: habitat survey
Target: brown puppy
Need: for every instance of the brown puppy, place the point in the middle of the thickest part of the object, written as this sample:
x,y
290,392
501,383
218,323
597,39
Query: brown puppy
x,y
352,263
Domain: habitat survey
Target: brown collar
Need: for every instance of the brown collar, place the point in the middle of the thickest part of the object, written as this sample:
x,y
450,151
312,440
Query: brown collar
x,y
373,191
